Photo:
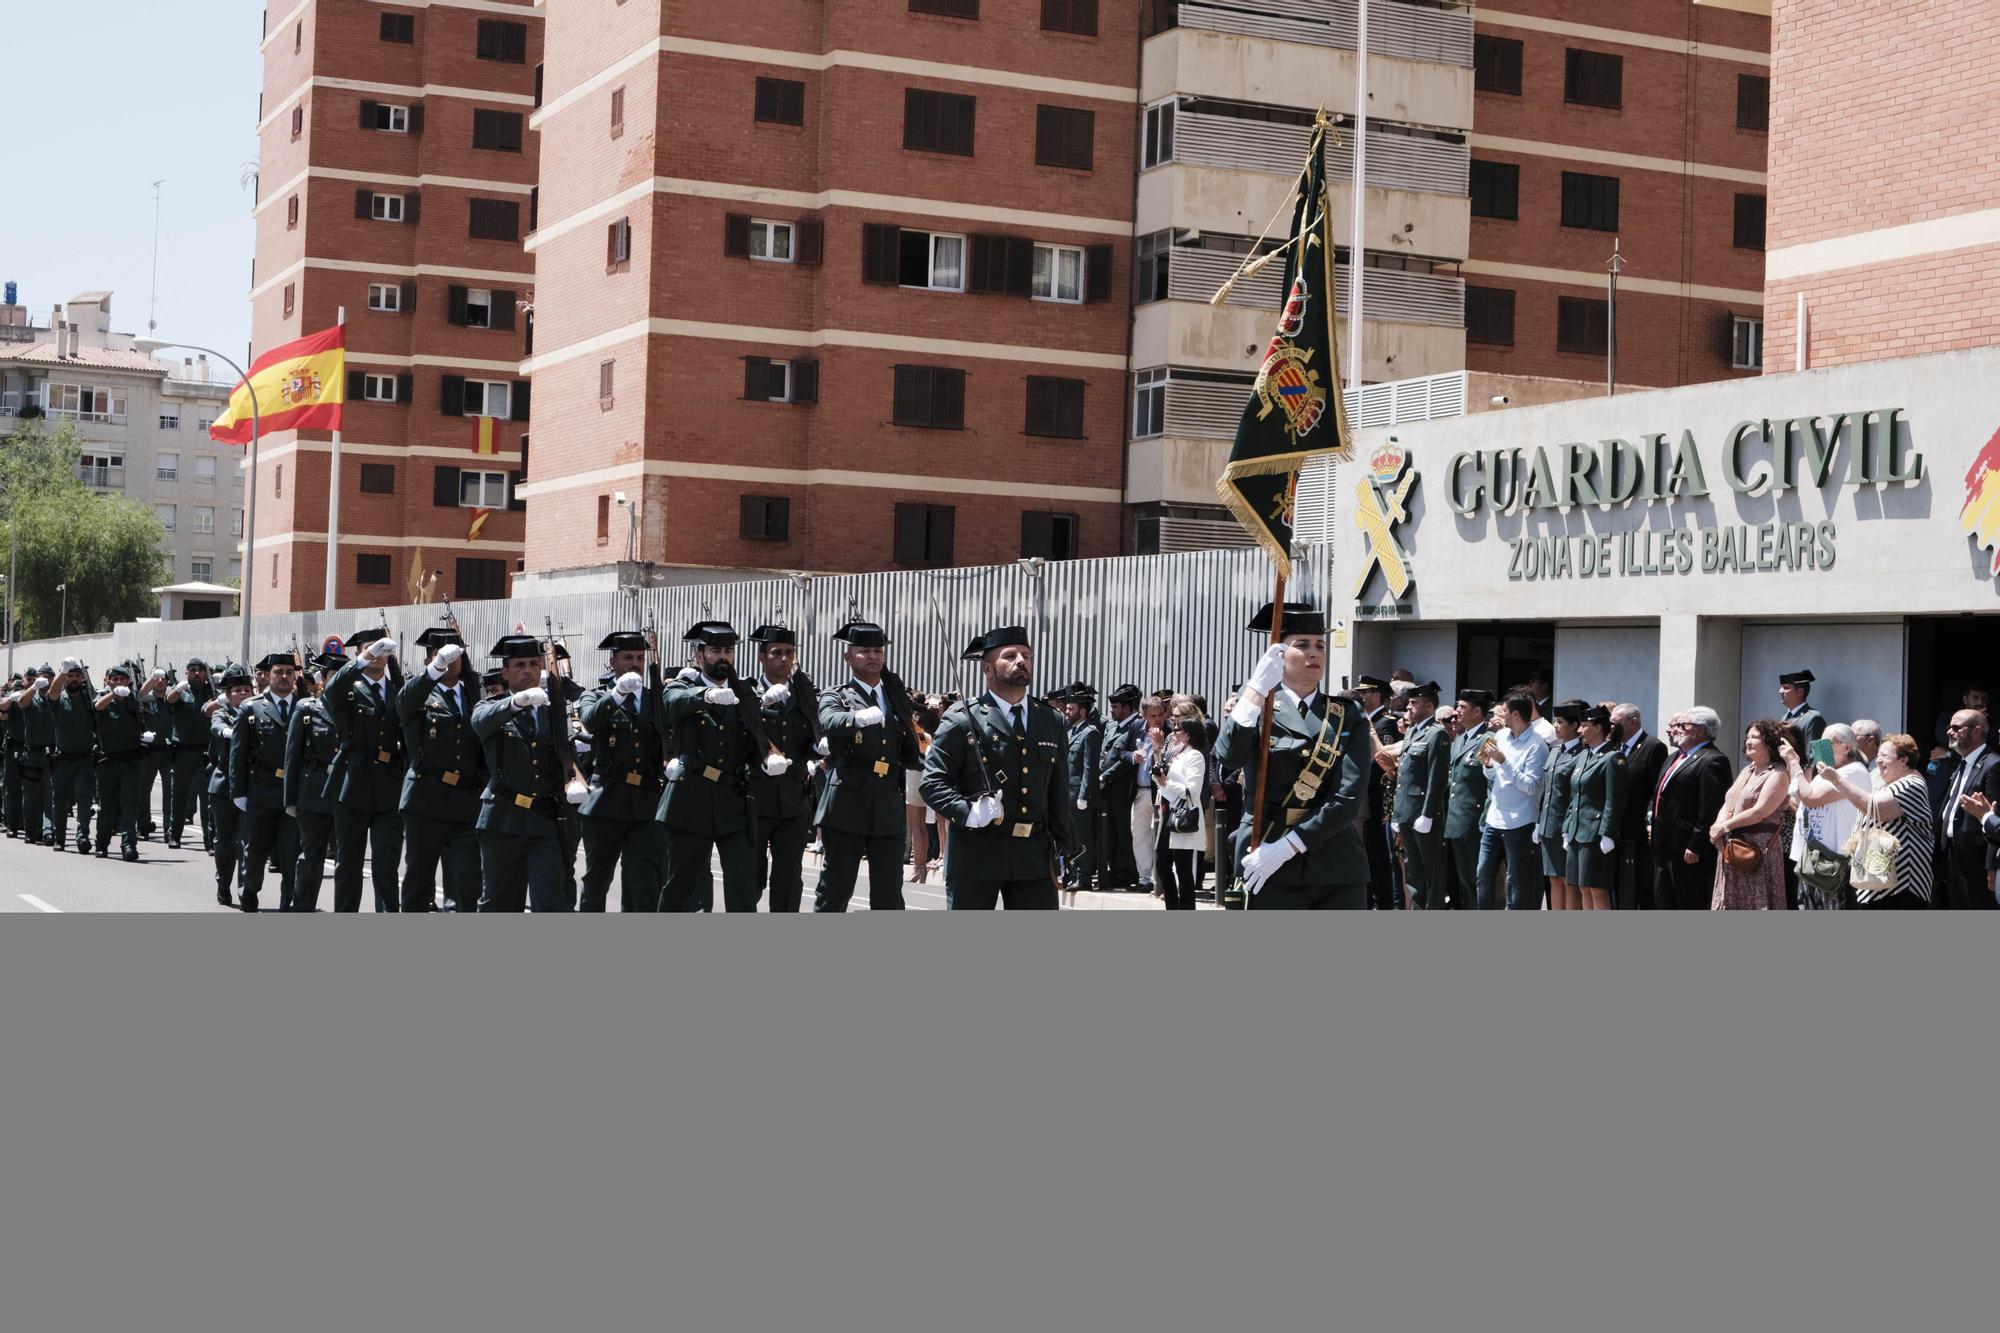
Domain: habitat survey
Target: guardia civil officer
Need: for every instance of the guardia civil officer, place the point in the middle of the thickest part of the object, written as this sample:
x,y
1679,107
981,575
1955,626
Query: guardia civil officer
x,y
311,746
75,761
257,781
788,706
712,724
1465,808
1118,778
622,717
998,769
446,773
1795,691
1596,803
38,738
528,763
1086,756
1307,813
867,726
367,785
184,769
150,692
10,774
1384,892
124,726
1417,814
222,712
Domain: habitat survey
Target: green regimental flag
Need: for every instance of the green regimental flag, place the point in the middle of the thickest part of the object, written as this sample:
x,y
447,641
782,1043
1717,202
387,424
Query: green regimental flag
x,y
1296,412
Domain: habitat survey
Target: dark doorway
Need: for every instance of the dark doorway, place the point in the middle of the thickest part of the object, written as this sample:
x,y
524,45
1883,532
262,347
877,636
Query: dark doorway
x,y
1497,654
1946,655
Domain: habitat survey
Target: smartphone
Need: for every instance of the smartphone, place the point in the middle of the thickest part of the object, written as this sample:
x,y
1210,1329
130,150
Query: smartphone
x,y
1821,752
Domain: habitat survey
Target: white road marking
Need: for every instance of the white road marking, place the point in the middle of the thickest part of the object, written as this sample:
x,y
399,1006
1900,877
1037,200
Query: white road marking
x,y
36,903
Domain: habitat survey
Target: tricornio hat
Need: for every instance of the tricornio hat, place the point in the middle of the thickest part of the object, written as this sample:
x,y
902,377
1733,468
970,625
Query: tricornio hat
x,y
1477,698
624,641
1599,714
1128,695
863,634
1571,711
1371,683
1077,693
119,669
1300,618
1007,636
711,634
437,636
361,638
285,659
1796,678
516,645
774,634
325,662
234,673
1428,690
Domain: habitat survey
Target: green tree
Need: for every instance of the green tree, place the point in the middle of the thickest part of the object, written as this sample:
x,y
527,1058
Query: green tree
x,y
105,547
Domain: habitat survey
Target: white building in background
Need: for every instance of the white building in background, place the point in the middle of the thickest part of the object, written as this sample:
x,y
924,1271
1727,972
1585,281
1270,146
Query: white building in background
x,y
144,423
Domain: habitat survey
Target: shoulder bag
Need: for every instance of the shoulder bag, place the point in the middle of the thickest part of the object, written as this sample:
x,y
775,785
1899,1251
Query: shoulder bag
x,y
1872,857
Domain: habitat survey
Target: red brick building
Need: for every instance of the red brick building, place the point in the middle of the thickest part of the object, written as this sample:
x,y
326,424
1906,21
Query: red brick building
x,y
396,178
845,288
1642,122
1886,218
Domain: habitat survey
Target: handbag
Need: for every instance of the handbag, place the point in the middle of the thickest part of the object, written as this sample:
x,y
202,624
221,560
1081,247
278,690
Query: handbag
x,y
1740,852
1823,868
1185,816
1872,851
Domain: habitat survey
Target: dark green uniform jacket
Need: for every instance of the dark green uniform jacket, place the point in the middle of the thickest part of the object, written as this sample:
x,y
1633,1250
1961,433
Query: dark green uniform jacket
x,y
787,726
865,790
1326,818
1554,807
626,781
447,765
75,722
1596,796
120,725
221,740
1029,774
310,747
1086,755
181,720
257,752
368,772
711,797
1469,785
526,754
1420,775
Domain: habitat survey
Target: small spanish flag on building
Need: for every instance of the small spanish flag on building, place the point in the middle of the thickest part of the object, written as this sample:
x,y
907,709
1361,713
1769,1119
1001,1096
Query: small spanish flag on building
x,y
482,443
299,386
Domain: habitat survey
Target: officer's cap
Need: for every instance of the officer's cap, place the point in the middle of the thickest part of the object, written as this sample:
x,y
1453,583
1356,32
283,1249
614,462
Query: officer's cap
x,y
1477,698
1127,695
361,638
624,641
490,677
437,636
1598,714
1300,618
325,662
45,670
1372,683
1571,711
1796,678
863,634
1078,693
1428,690
516,645
72,664
119,669
711,634
1007,636
194,662
235,673
774,634
278,660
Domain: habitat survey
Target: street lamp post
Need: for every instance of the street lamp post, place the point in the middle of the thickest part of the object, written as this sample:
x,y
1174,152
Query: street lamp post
x,y
151,345
62,628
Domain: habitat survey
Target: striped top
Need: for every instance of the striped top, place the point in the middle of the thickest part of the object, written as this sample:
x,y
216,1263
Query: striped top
x,y
1916,831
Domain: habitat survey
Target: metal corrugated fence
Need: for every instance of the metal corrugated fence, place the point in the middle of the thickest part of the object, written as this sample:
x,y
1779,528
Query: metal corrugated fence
x,y
1155,621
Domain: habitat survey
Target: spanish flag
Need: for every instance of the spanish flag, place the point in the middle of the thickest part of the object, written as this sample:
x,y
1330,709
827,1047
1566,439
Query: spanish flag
x,y
482,443
299,386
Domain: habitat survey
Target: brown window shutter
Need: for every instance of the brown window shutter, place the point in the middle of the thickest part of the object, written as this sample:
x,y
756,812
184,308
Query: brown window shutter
x,y
793,103
409,298
368,115
501,314
948,399
909,547
939,537
412,207
451,397
1097,273
416,117
406,388
1728,331
805,381
1079,139
364,203
880,244
357,385
986,265
1048,136
518,400
454,311
912,404
1069,409
1037,533
756,379
1020,266
736,235
444,488
812,241
1041,406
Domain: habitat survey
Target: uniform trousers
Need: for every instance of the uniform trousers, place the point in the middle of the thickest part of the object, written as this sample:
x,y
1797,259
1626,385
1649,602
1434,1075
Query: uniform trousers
x,y
983,895
150,764
640,845
1142,834
844,852
315,830
1463,853
267,833
433,845
1081,864
688,883
34,790
377,832
522,870
186,784
781,861
1384,894
1425,864
121,791
10,793
228,849
1311,898
1635,875
75,789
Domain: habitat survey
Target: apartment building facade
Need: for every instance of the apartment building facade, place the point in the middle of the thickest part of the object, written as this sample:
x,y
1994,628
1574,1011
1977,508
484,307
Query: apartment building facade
x,y
397,182
847,289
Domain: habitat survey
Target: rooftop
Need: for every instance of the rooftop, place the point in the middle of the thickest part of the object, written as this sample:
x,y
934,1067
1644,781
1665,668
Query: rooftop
x,y
91,358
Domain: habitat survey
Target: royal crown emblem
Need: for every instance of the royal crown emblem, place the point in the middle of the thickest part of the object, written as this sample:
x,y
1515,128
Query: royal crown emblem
x,y
1386,464
302,385
1294,317
1287,380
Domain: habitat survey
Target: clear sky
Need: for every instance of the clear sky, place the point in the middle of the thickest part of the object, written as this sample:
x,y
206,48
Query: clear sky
x,y
105,97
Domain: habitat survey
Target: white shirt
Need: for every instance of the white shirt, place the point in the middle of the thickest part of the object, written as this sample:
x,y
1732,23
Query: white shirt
x,y
1516,779
1958,785
873,693
1007,710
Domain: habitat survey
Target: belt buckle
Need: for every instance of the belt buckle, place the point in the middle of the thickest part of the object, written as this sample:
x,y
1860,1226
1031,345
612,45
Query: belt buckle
x,y
381,756
278,773
1022,830
712,774
881,768
525,802
634,780
449,779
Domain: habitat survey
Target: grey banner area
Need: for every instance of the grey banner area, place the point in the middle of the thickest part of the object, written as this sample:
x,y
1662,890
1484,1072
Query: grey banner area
x,y
1004,1123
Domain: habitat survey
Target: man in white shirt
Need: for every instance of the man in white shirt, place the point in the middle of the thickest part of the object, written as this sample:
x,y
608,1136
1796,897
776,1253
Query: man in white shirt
x,y
1513,758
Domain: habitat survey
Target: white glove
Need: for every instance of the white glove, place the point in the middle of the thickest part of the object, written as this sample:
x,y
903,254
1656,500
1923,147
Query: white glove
x,y
673,768
688,674
629,684
1082,804
1423,823
871,716
775,765
155,674
582,744
243,803
1394,827
122,691
821,747
1262,863
776,696
292,810
985,810
41,684
1270,669
145,738
380,649
721,696
176,691
575,791
812,767
442,659
531,698
1605,845
1536,837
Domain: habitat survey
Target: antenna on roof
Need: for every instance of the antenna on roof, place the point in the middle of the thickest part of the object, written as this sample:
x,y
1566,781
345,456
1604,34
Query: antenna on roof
x,y
153,311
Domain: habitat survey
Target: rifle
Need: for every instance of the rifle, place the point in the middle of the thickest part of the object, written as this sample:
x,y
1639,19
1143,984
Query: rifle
x,y
559,697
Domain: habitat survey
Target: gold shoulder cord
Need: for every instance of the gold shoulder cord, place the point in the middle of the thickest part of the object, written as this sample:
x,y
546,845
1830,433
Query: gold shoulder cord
x,y
1324,755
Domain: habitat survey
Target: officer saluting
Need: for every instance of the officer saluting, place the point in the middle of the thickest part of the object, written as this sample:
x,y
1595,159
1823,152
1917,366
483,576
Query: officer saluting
x,y
124,727
257,781
441,786
310,748
368,772
717,738
222,712
869,746
38,738
185,726
998,768
623,719
789,708
528,761
75,773
1315,777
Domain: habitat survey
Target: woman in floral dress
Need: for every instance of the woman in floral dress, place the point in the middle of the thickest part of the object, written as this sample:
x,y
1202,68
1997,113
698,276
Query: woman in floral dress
x,y
1752,811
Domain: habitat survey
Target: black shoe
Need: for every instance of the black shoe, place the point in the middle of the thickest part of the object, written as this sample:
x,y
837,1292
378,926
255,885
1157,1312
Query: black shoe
x,y
83,846
248,905
223,899
175,846
101,853
131,856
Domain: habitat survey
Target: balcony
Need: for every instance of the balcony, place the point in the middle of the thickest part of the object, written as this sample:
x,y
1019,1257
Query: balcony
x,y
1395,161
103,478
1391,294
1399,31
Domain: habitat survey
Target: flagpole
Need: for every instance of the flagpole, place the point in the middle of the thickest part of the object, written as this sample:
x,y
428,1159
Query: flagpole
x,y
333,489
1270,700
1357,249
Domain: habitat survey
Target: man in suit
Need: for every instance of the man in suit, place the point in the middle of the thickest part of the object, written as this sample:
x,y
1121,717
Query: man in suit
x,y
788,705
1385,894
1795,691
1086,757
446,773
1117,783
998,769
717,738
622,718
869,746
528,762
1682,806
367,780
1645,758
257,782
310,749
1416,816
1967,852
1465,810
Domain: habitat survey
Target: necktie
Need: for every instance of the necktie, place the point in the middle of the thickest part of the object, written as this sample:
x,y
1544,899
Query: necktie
x,y
1958,787
285,711
1660,791
1020,723
632,705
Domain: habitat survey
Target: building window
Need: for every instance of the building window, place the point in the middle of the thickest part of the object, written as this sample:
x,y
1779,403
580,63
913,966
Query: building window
x,y
1055,407
1496,190
935,122
1750,222
497,130
377,479
1489,316
1593,78
486,398
1048,536
1149,403
482,490
478,309
931,260
201,569
378,388
481,580
931,397
767,381
1075,16
165,513
371,569
924,535
384,117
204,469
603,520
1149,267
1746,343
1590,202
494,220
291,297
1496,64
278,483
503,41
298,120
1064,137
781,102
617,112
204,520
771,241
291,213
386,207
607,382
104,470
386,297
298,37
170,416
618,243
955,9
236,569
236,519
1058,273
1159,145
399,28
1581,325
765,518
1753,102
201,428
